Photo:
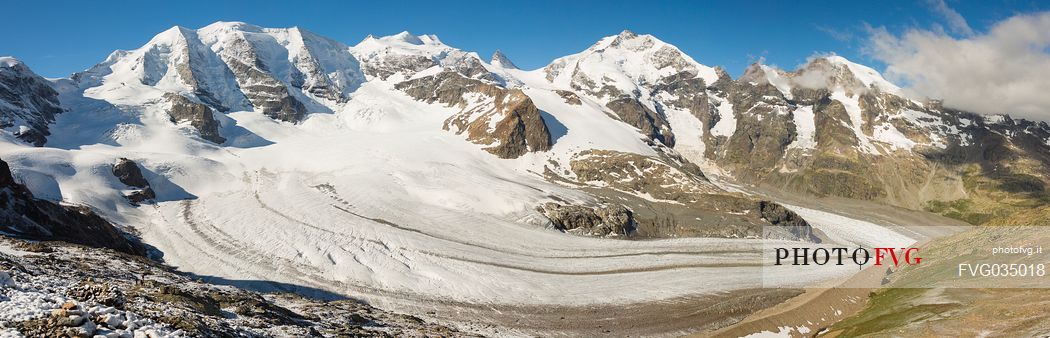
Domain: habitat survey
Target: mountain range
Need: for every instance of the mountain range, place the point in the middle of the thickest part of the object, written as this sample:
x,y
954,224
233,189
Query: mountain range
x,y
398,166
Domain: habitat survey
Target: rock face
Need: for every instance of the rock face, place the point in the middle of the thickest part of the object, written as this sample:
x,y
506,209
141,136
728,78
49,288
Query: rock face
x,y
660,178
198,115
86,292
665,196
603,220
405,54
128,172
836,128
24,216
780,216
570,97
505,120
266,93
27,102
650,123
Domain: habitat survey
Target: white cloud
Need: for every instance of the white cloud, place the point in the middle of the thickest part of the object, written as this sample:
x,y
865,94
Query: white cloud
x,y
955,20
1006,70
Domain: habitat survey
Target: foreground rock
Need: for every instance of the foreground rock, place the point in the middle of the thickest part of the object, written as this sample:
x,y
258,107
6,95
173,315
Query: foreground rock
x,y
62,290
24,216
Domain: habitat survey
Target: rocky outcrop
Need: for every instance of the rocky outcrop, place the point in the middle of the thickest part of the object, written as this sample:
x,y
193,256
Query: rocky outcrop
x,y
128,172
649,122
27,102
324,68
24,216
602,220
782,217
505,120
266,93
638,174
86,292
685,91
570,97
667,197
395,64
405,54
198,115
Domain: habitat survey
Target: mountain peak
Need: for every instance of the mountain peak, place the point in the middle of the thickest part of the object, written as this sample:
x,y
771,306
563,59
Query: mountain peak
x,y
867,76
627,34
9,62
501,60
231,26
408,38
170,35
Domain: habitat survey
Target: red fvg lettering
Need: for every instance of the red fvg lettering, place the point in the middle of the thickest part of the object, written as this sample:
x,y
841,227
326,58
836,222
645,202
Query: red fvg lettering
x,y
880,253
838,256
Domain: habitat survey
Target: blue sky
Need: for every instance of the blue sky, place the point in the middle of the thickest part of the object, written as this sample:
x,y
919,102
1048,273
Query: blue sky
x,y
56,38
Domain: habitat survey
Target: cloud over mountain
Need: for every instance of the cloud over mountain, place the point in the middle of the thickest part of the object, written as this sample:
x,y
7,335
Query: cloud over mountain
x,y
1004,70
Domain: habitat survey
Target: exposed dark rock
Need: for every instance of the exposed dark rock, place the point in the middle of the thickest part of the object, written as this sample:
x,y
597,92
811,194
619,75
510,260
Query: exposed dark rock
x,y
670,197
519,126
690,94
30,102
128,172
33,136
780,216
198,115
140,196
636,173
394,64
651,123
570,97
266,93
603,220
24,216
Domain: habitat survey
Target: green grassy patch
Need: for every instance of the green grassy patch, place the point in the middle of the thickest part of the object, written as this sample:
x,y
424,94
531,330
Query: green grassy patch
x,y
889,309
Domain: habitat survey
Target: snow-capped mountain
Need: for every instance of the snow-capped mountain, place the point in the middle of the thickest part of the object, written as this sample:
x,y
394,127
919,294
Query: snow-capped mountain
x,y
411,172
502,61
834,127
623,72
282,73
27,102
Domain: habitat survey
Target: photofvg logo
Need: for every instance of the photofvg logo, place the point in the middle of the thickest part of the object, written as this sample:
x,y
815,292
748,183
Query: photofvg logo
x,y
951,257
802,256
